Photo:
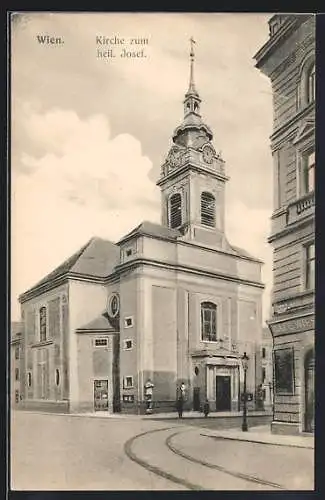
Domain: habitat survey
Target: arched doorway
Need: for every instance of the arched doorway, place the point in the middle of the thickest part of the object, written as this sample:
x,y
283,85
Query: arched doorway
x,y
309,391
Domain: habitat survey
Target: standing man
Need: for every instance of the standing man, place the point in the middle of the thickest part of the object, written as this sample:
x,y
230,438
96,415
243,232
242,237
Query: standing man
x,y
148,391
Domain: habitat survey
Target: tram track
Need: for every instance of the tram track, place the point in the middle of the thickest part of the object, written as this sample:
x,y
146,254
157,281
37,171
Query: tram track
x,y
129,451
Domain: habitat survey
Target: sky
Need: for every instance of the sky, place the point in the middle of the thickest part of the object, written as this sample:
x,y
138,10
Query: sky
x,y
89,134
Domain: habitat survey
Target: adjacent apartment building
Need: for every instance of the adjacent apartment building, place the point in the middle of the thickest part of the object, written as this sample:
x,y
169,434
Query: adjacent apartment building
x,y
288,59
170,305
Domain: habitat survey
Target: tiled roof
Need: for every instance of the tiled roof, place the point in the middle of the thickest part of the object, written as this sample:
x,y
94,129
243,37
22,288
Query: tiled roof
x,y
96,258
151,229
101,323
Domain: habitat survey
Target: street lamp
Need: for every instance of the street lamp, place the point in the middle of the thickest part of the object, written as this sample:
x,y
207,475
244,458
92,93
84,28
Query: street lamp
x,y
244,360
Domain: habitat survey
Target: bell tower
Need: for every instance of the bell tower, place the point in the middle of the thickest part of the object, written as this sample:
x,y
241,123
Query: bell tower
x,y
192,178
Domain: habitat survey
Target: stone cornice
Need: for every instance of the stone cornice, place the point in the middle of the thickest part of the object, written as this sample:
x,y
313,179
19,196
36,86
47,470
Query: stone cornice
x,y
191,167
187,269
282,34
293,227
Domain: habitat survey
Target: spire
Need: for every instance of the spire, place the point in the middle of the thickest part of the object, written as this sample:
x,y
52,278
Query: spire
x,y
191,88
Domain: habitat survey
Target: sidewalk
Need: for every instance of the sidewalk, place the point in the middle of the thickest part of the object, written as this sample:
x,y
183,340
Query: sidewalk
x,y
262,434
197,414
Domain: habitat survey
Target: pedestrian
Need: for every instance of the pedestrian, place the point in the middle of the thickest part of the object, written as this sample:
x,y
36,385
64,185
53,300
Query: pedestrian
x,y
206,408
179,406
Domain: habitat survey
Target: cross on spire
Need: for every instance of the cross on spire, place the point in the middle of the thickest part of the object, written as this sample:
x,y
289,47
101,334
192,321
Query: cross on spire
x,y
191,88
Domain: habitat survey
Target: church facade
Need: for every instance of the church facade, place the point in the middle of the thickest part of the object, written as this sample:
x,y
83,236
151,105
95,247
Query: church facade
x,y
168,306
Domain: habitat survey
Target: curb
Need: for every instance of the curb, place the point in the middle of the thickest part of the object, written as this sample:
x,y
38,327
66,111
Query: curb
x,y
261,441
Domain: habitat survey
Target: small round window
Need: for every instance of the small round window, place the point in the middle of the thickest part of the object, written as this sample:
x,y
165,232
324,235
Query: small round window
x,y
114,305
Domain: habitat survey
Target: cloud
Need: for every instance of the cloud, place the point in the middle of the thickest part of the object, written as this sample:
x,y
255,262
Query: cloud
x,y
87,184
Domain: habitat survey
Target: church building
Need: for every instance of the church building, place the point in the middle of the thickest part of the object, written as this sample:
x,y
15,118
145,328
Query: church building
x,y
169,305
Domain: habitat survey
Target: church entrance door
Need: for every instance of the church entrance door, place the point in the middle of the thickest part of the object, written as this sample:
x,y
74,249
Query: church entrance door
x,y
196,399
223,393
100,395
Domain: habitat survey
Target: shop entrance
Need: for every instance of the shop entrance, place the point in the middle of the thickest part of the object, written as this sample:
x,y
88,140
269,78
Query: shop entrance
x,y
309,391
100,395
223,393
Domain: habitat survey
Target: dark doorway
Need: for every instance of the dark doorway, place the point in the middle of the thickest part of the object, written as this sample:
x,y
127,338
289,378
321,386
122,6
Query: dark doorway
x,y
309,392
100,395
196,399
223,394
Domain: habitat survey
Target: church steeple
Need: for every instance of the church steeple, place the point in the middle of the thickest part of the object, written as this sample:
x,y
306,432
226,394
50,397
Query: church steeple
x,y
192,99
192,179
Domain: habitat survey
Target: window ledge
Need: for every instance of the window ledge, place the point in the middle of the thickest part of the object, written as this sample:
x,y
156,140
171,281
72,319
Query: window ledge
x,y
42,344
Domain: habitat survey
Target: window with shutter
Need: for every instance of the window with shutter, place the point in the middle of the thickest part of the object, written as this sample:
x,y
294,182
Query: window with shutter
x,y
208,209
175,210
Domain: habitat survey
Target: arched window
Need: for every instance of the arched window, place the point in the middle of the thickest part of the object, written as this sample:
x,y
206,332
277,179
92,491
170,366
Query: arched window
x,y
209,321
208,209
175,210
306,90
311,85
42,324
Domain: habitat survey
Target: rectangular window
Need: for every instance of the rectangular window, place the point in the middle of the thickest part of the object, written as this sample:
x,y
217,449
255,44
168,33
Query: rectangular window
x,y
17,374
128,252
310,266
43,324
17,396
263,352
128,322
284,371
128,382
101,342
309,172
209,322
127,344
17,353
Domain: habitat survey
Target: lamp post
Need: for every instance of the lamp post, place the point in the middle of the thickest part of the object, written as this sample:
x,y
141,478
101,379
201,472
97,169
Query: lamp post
x,y
245,359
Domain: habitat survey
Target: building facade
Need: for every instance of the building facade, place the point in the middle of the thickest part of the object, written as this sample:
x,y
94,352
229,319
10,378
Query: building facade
x,y
16,366
168,306
288,59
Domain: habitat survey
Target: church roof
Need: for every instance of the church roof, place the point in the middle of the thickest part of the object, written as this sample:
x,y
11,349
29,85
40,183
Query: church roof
x,y
101,323
97,258
147,228
243,253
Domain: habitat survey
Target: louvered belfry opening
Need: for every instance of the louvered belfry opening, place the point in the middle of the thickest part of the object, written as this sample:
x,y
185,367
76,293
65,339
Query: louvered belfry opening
x,y
208,209
175,210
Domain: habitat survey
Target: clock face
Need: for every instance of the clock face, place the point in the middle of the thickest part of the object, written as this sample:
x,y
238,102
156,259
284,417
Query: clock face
x,y
208,155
